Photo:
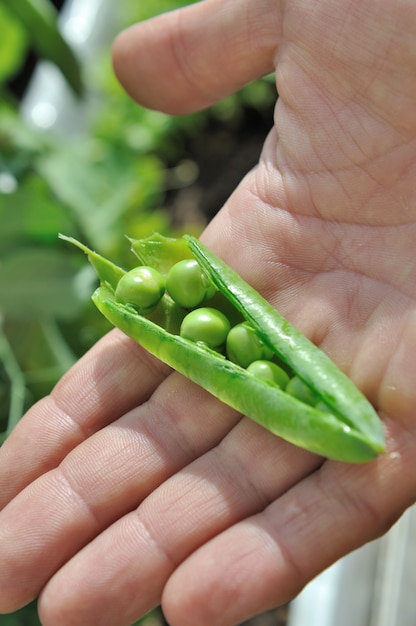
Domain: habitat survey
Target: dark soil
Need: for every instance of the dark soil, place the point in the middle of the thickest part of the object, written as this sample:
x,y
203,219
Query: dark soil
x,y
224,152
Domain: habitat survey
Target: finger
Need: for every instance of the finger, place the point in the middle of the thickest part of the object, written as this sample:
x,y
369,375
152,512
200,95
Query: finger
x,y
102,479
110,380
188,59
120,575
265,561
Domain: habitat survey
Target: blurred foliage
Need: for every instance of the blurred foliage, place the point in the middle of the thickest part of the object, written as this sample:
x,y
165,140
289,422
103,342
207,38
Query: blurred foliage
x,y
118,176
108,181
35,22
12,44
115,177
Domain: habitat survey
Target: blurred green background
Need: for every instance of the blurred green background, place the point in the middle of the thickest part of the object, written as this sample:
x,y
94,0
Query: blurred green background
x,y
130,171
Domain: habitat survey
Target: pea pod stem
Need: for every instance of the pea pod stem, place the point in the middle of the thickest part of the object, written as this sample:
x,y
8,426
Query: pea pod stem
x,y
347,430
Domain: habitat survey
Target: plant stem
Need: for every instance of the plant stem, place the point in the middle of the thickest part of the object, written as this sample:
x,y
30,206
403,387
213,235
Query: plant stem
x,y
17,381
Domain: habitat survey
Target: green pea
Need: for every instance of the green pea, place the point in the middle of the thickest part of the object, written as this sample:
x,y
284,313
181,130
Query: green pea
x,y
300,390
267,370
142,287
188,285
205,325
244,346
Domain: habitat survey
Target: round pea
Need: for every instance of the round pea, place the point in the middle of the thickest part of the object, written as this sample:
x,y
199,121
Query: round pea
x,y
244,346
267,370
300,390
142,287
205,325
187,284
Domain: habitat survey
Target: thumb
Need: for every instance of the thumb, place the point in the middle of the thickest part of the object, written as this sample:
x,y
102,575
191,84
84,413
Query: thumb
x,y
187,59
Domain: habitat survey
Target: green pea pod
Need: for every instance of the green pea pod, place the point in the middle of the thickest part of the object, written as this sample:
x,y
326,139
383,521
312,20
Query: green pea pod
x,y
346,429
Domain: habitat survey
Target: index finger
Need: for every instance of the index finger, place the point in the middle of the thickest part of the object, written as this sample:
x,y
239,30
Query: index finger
x,y
113,377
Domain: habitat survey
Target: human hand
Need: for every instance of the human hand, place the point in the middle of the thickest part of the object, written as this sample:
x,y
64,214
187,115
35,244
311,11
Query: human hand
x,y
129,495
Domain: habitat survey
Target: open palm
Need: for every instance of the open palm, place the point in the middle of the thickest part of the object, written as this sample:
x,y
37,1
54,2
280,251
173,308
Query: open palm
x,y
142,488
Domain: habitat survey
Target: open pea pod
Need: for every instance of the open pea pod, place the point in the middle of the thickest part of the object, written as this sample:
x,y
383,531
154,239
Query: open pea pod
x,y
345,427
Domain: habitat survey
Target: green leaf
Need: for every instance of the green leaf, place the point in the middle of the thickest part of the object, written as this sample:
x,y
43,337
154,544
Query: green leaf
x,y
39,18
99,192
31,213
16,137
17,382
13,45
38,283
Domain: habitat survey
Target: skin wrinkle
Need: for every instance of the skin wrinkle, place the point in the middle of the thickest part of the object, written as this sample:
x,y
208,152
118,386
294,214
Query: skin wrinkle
x,y
300,171
167,407
162,548
228,604
348,82
347,256
298,513
368,93
349,264
300,266
268,525
164,418
292,178
43,563
399,123
373,162
350,500
257,537
154,431
51,454
101,370
341,131
79,425
75,494
227,484
238,555
124,445
190,510
132,533
147,504
295,512
234,469
294,175
200,492
76,491
254,443
265,284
